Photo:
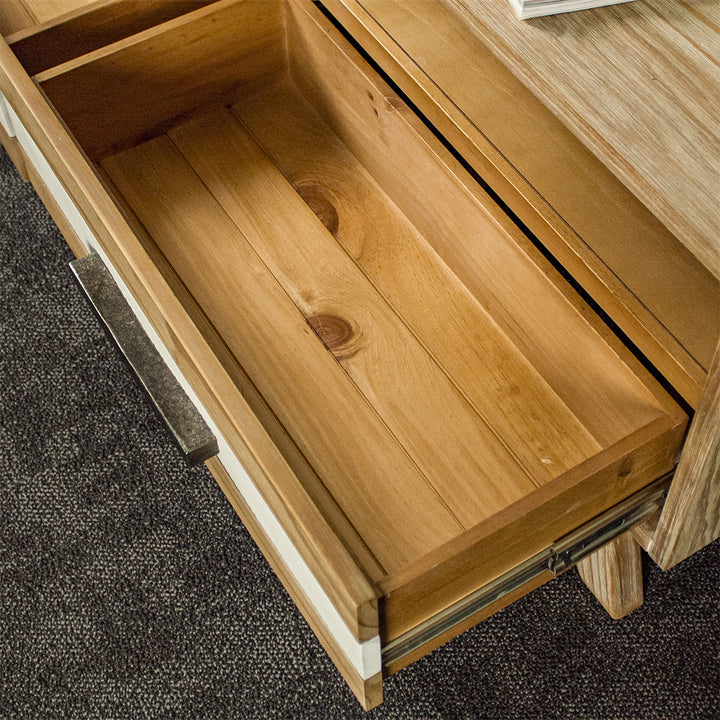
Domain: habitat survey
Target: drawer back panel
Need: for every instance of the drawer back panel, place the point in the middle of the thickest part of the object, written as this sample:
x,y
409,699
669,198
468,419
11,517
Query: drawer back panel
x,y
90,27
134,89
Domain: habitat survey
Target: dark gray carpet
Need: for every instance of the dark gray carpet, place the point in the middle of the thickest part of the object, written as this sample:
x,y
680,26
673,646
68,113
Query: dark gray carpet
x,y
129,588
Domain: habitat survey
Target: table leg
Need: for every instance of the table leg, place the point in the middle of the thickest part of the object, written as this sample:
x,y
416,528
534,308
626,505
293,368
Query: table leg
x,y
614,575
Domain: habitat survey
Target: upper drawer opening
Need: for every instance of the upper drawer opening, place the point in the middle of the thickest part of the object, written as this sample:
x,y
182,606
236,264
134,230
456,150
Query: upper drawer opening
x,y
45,33
424,371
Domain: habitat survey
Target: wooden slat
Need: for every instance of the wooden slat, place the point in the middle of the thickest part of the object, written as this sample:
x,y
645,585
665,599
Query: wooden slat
x,y
90,27
626,259
302,469
421,589
121,94
464,461
690,518
44,10
614,575
14,17
315,400
462,336
479,243
593,72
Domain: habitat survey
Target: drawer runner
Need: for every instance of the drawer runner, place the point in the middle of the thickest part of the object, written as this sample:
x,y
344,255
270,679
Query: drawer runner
x,y
560,556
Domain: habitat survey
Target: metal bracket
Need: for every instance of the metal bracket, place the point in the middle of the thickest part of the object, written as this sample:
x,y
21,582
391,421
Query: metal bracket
x,y
182,417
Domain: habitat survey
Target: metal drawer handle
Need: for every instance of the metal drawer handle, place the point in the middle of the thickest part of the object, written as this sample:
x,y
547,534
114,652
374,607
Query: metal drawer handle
x,y
182,417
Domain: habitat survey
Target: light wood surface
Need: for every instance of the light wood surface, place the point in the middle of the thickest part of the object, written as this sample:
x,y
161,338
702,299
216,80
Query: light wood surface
x,y
340,432
58,216
453,447
286,242
14,17
625,259
45,10
21,15
638,83
486,551
337,569
279,435
469,233
283,304
99,95
648,280
614,575
691,516
90,27
400,263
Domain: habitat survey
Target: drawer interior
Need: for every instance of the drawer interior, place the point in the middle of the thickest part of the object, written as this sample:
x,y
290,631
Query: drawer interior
x,y
444,397
45,33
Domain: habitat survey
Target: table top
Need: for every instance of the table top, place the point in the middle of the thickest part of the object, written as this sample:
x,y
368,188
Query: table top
x,y
639,84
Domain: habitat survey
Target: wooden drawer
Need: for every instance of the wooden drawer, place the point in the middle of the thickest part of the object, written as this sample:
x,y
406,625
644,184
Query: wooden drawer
x,y
410,402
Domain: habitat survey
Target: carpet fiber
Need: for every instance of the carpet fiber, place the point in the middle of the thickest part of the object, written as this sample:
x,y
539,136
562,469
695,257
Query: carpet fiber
x,y
129,588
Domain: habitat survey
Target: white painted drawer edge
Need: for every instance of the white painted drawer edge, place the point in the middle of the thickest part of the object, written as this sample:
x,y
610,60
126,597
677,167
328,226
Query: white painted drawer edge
x,y
5,116
365,657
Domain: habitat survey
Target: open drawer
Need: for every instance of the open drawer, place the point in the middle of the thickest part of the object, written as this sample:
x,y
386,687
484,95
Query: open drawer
x,y
409,401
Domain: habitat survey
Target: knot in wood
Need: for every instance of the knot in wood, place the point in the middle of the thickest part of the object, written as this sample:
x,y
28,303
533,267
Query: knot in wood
x,y
336,333
320,203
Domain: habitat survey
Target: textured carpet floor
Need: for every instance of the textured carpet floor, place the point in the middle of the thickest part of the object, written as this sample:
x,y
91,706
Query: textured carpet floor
x,y
129,588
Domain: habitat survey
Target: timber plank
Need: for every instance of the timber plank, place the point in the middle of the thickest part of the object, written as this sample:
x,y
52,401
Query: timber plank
x,y
14,17
595,77
44,10
613,573
461,335
90,27
121,94
399,520
467,464
690,518
626,259
574,352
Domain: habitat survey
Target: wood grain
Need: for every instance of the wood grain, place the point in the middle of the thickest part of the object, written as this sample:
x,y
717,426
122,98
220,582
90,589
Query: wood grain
x,y
638,84
614,575
626,259
91,27
302,469
14,17
468,465
690,518
329,560
126,92
476,240
313,397
44,10
478,556
501,384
